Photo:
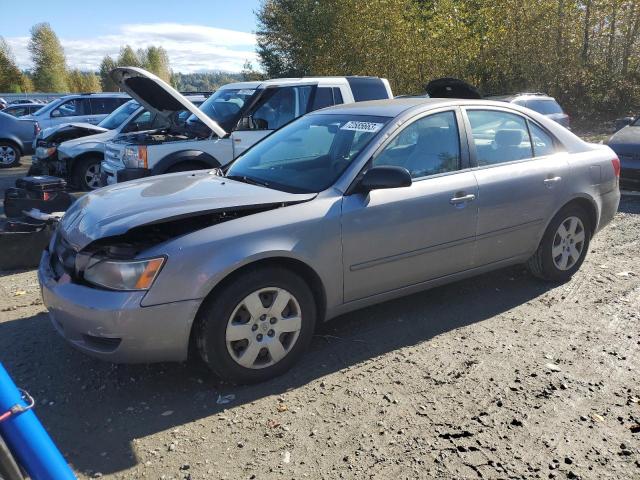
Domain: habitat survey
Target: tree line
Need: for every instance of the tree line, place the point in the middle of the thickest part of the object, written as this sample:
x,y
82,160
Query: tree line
x,y
50,72
584,52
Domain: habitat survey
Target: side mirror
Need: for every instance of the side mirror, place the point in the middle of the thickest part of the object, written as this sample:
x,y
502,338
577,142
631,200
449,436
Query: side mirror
x,y
377,178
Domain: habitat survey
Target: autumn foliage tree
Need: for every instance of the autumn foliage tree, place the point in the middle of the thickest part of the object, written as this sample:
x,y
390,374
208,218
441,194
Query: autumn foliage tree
x,y
50,64
585,52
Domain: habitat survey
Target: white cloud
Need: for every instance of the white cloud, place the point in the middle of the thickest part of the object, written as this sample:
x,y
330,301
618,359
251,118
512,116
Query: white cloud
x,y
191,48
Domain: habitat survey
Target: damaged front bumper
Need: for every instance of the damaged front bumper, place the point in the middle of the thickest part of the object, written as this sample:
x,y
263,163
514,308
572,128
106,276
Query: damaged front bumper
x,y
112,325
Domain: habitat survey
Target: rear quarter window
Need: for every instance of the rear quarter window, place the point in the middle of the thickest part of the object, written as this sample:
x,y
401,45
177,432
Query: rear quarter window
x,y
365,88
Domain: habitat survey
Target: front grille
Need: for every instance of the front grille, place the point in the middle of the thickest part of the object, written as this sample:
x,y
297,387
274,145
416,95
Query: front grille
x,y
63,258
113,156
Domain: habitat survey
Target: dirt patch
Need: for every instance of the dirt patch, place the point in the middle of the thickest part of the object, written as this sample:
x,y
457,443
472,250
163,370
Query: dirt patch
x,y
498,376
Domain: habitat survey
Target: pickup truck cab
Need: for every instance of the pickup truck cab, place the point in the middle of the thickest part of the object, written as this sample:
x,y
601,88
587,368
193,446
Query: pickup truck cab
x,y
233,119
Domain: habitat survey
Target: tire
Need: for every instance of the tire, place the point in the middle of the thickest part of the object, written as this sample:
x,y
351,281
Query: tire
x,y
9,469
548,263
86,174
9,155
186,167
258,334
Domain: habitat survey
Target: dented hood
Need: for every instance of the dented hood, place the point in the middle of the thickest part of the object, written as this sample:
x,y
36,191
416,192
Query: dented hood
x,y
158,96
115,210
71,130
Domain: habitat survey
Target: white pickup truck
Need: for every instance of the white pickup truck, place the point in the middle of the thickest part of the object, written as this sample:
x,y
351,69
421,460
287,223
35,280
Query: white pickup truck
x,y
233,119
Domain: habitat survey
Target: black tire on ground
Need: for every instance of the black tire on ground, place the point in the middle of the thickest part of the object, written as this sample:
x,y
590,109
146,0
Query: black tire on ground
x,y
210,326
84,171
186,167
9,469
9,154
542,264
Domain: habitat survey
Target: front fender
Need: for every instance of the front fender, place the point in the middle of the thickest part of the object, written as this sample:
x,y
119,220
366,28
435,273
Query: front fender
x,y
184,156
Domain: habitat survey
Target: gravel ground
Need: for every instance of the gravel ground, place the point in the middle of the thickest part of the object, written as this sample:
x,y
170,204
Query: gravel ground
x,y
499,376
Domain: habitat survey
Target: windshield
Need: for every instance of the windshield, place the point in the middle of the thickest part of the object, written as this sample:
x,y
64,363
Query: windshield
x,y
119,115
224,106
309,154
636,123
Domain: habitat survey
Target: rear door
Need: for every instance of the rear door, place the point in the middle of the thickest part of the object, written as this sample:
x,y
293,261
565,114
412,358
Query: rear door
x,y
401,237
520,170
101,107
277,106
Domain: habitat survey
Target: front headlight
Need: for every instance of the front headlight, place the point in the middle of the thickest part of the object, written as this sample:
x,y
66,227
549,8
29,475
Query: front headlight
x,y
135,157
45,152
124,274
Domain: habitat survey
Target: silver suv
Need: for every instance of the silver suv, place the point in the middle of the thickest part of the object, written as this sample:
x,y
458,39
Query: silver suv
x,y
342,208
85,107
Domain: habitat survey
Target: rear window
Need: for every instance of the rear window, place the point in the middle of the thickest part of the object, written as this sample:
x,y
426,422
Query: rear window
x,y
367,88
545,107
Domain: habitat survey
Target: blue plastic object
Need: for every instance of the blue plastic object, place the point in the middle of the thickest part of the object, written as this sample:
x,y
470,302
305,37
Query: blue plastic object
x,y
27,439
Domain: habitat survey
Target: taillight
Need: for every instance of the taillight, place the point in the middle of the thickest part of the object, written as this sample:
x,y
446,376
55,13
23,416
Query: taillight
x,y
616,166
36,129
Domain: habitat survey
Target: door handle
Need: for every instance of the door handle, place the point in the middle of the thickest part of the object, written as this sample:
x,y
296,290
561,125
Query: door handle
x,y
549,182
462,199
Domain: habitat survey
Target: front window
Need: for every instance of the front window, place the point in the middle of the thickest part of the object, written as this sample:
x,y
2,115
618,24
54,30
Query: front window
x,y
279,106
224,106
428,146
70,108
309,154
119,115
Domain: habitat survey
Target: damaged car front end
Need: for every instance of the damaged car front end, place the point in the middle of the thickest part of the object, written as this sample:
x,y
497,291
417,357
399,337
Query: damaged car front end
x,y
46,159
98,272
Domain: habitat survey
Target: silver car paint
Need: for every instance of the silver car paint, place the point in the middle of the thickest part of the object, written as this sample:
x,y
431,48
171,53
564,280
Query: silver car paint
x,y
360,256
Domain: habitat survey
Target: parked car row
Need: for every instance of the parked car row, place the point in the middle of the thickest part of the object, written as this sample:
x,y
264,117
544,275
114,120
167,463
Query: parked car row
x,y
305,213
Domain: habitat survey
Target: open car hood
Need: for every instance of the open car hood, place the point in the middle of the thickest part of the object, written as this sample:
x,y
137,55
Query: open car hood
x,y
451,88
115,210
68,131
158,96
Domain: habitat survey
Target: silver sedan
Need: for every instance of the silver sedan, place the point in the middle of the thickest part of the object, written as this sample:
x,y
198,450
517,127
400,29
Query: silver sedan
x,y
342,208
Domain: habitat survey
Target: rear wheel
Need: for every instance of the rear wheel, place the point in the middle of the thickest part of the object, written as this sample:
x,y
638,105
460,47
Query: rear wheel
x,y
256,327
563,247
86,174
9,155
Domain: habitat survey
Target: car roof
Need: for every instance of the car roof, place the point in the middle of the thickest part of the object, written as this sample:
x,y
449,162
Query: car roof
x,y
31,104
521,96
289,81
97,95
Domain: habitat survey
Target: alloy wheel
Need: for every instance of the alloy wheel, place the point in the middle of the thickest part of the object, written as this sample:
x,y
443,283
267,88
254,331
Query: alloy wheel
x,y
568,243
263,328
7,154
92,176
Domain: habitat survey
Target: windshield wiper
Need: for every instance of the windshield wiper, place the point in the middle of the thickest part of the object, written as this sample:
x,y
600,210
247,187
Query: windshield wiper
x,y
249,180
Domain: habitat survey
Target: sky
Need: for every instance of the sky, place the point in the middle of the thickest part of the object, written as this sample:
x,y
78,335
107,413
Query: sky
x,y
199,35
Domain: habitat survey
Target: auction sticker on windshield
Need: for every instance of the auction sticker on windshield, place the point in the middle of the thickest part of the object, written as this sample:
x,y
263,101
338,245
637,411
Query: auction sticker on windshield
x,y
362,126
245,92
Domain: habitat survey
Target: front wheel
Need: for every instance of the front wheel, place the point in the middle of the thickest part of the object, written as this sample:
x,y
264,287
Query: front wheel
x,y
256,327
563,247
87,175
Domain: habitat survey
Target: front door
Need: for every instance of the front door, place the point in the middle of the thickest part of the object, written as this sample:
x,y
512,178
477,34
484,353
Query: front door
x,y
401,237
520,173
276,107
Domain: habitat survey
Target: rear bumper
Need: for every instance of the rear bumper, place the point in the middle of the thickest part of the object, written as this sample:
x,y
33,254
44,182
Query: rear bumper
x,y
112,325
609,207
